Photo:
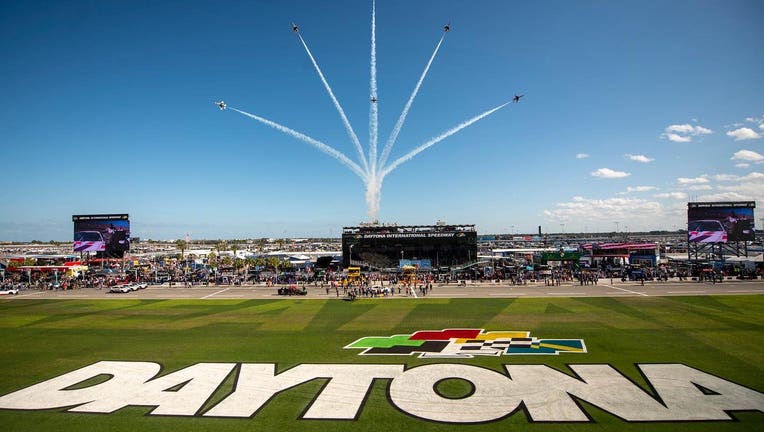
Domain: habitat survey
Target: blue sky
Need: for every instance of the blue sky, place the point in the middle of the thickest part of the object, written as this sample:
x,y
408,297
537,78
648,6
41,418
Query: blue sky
x,y
632,108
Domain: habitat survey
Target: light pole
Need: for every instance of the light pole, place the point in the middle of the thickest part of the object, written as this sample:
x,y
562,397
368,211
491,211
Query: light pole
x,y
616,227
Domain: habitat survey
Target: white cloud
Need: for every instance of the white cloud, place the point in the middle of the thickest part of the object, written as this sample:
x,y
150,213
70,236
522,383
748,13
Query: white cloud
x,y
726,177
692,181
684,129
742,165
743,134
582,156
636,211
754,176
699,187
748,187
761,126
609,174
672,195
725,196
748,155
640,189
684,132
677,138
639,158
746,190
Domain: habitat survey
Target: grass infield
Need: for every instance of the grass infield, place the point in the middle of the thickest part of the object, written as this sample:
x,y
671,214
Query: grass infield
x,y
40,340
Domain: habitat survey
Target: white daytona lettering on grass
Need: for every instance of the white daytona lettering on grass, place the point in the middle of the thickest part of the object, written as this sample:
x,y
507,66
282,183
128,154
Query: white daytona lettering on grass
x,y
681,392
414,393
129,385
340,399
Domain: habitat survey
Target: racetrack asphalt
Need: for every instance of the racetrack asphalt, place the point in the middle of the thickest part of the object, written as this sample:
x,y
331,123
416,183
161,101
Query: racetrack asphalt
x,y
604,288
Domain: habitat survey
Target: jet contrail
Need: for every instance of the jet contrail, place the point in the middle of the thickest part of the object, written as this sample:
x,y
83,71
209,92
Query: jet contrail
x,y
349,128
314,142
425,146
397,129
372,167
373,110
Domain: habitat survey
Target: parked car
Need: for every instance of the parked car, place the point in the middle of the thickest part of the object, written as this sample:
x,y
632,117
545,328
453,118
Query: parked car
x,y
292,290
121,289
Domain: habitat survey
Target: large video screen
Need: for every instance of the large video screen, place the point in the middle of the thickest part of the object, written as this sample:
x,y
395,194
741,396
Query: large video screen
x,y
720,222
109,234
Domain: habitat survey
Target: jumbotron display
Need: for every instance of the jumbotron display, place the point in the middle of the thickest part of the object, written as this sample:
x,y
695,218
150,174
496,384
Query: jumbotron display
x,y
386,246
720,222
106,234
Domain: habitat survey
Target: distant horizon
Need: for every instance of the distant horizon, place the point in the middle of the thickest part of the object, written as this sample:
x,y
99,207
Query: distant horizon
x,y
276,239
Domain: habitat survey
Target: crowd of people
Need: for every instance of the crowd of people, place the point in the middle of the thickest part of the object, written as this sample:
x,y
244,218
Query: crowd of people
x,y
371,284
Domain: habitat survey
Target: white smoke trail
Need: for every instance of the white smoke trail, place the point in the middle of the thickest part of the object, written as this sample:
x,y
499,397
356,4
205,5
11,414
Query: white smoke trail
x,y
373,196
314,142
348,127
432,142
373,110
397,129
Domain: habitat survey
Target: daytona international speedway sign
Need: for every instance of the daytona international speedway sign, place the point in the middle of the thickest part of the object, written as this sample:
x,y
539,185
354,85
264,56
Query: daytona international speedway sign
x,y
678,392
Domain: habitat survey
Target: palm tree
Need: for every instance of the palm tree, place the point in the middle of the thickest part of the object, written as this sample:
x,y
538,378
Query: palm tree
x,y
249,262
260,261
272,262
182,245
238,264
221,246
212,259
261,244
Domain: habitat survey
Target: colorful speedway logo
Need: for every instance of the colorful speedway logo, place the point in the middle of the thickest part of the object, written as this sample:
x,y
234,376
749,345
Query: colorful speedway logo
x,y
677,392
465,343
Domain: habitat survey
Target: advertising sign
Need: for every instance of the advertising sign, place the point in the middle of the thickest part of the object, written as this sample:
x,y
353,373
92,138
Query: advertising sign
x,y
107,233
720,222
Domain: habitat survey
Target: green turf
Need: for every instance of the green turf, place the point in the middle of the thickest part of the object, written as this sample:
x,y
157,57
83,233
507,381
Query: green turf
x,y
43,339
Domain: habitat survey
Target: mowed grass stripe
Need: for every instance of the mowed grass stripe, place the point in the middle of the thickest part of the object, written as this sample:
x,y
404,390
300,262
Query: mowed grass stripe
x,y
575,312
719,335
453,313
382,317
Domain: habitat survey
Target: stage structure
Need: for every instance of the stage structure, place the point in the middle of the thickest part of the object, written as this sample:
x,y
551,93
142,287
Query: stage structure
x,y
428,247
719,229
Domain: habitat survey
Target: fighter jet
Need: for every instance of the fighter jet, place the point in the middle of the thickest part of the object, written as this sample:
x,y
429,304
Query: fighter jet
x,y
447,27
295,28
373,100
221,104
516,99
